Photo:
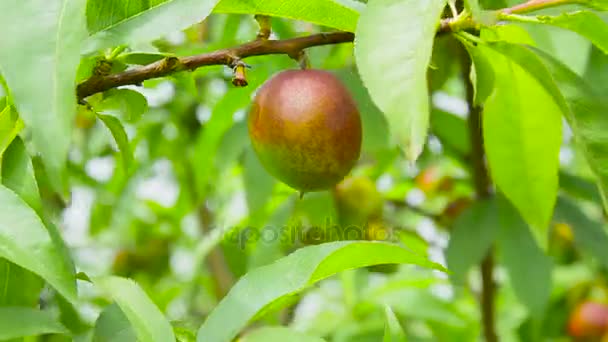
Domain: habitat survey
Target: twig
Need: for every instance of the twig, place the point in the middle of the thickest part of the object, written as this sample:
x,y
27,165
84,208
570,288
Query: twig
x,y
263,46
481,181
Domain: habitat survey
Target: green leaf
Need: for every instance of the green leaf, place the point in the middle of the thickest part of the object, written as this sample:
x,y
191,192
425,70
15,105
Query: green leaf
x,y
18,174
18,286
451,130
146,319
524,164
258,185
320,12
16,322
292,274
41,72
482,74
393,332
589,234
278,334
10,126
121,138
25,241
115,22
596,71
473,232
393,46
123,103
528,267
375,127
579,187
586,116
142,58
113,326
585,23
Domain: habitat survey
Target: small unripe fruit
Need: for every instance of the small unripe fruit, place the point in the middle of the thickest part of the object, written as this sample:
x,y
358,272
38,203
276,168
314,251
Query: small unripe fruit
x,y
305,129
588,320
357,201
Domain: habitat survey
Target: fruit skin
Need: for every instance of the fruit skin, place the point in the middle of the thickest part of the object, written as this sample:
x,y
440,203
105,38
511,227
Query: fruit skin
x,y
357,201
588,320
305,129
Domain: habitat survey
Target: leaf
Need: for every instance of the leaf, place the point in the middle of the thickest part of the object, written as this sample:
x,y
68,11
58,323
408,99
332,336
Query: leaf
x,y
588,234
482,74
320,12
41,72
585,23
113,326
393,332
121,138
473,232
114,22
18,286
524,164
528,267
586,116
142,58
10,126
292,274
258,185
451,130
278,334
579,187
393,46
146,319
123,103
25,241
18,174
596,71
375,127
16,322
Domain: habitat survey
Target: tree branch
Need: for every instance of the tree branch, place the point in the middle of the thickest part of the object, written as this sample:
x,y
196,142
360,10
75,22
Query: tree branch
x,y
291,47
229,56
482,184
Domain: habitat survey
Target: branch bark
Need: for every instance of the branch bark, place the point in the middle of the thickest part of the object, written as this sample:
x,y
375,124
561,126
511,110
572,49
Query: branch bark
x,y
481,181
291,47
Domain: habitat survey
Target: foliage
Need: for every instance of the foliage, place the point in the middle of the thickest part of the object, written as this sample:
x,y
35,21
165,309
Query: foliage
x,y
141,211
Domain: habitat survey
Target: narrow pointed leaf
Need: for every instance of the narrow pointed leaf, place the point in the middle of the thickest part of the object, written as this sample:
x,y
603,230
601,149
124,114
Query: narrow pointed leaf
x,y
321,12
267,285
523,163
393,45
585,23
114,22
16,322
146,319
39,57
25,241
121,138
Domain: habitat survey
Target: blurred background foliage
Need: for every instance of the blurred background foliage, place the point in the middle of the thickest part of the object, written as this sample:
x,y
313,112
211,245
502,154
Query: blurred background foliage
x,y
179,202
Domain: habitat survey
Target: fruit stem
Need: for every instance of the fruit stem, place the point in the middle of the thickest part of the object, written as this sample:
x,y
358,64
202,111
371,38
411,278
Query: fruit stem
x,y
303,60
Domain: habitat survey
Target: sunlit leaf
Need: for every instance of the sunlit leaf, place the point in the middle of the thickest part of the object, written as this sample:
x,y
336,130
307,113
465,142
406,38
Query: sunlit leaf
x,y
393,332
25,241
393,46
291,275
115,22
18,322
278,334
18,174
146,319
586,116
321,12
41,73
585,23
523,163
